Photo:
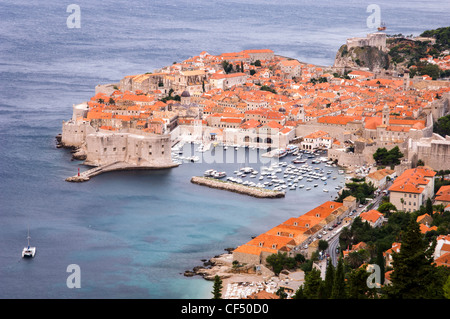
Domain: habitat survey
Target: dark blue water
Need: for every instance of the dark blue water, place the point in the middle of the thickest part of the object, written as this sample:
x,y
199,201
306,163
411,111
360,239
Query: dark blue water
x,y
134,233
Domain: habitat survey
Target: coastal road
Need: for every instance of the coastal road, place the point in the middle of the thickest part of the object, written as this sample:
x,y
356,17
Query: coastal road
x,y
333,240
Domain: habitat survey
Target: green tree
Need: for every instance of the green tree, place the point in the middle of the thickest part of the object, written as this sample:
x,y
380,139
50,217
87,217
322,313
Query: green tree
x,y
386,208
323,245
413,267
217,288
312,285
329,281
384,157
299,294
281,293
429,207
357,284
257,63
339,291
442,126
446,288
381,263
280,261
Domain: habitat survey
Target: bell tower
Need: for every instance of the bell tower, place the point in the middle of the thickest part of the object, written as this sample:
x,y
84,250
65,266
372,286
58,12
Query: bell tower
x,y
385,119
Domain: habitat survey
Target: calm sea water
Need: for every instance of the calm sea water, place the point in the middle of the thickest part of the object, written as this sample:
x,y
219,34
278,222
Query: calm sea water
x,y
133,234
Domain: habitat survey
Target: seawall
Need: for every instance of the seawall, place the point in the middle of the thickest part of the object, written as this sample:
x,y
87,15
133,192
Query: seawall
x,y
237,188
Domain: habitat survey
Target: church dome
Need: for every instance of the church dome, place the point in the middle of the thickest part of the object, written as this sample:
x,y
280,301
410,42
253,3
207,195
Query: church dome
x,y
185,94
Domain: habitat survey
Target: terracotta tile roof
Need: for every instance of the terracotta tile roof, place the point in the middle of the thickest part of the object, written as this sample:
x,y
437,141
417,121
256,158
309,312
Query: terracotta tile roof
x,y
444,260
371,215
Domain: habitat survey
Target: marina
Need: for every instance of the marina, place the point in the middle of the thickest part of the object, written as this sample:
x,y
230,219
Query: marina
x,y
283,172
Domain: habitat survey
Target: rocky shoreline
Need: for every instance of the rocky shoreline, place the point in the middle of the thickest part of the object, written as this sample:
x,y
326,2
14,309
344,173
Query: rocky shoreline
x,y
222,266
218,265
78,153
237,188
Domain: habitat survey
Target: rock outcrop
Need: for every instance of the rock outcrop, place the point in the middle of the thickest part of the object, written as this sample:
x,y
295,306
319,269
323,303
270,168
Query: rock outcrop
x,y
361,57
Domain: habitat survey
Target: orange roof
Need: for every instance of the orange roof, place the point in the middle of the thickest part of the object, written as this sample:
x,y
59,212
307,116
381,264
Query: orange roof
x,y
371,216
373,122
317,134
444,260
424,228
411,180
252,123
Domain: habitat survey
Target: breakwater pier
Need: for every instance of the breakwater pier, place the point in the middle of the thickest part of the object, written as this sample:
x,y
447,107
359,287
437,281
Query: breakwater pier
x,y
237,188
116,166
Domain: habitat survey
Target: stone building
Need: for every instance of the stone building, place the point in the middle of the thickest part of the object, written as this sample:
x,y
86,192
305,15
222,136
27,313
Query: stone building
x,y
411,189
377,40
137,148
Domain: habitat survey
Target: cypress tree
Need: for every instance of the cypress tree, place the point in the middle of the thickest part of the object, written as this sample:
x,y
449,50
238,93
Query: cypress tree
x,y
311,287
338,291
380,262
329,280
217,288
414,270
299,294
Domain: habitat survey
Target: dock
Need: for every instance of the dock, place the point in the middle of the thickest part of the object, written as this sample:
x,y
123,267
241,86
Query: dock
x,y
116,166
237,188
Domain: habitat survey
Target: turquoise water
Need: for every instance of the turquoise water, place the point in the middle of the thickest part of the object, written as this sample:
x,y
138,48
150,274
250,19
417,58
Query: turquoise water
x,y
133,234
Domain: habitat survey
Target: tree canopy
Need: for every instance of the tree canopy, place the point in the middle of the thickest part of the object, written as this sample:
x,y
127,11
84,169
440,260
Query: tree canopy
x,y
387,158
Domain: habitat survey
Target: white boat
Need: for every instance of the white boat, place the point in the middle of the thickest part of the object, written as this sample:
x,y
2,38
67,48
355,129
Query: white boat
x,y
209,172
219,174
325,190
308,188
28,251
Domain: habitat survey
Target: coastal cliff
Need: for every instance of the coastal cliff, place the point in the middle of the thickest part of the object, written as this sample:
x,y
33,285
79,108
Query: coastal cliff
x,y
361,57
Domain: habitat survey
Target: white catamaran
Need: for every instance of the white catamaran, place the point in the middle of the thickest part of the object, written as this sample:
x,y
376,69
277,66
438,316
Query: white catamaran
x,y
28,251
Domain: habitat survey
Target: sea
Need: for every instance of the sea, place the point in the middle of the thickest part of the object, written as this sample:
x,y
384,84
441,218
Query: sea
x,y
131,235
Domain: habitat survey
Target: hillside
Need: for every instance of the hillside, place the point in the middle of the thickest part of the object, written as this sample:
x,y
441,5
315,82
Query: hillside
x,y
423,55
